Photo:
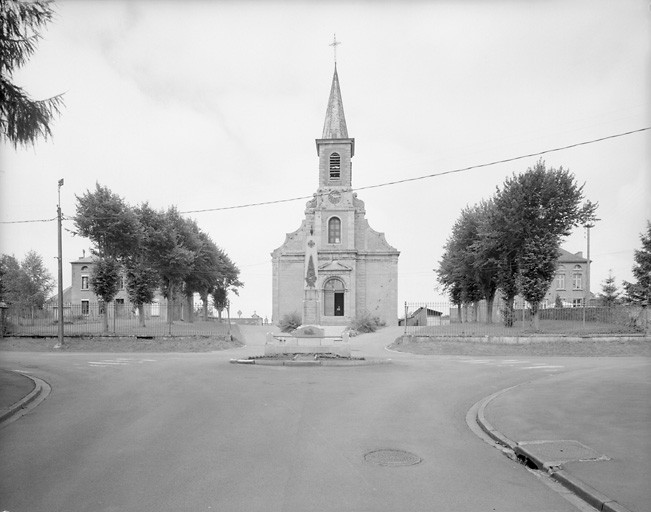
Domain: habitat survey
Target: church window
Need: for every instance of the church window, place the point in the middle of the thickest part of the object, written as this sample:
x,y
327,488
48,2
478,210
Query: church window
x,y
335,166
334,230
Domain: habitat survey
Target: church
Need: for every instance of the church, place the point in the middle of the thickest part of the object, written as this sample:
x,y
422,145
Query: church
x,y
334,267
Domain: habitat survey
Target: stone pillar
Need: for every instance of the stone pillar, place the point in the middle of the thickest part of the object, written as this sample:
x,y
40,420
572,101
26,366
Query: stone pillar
x,y
311,303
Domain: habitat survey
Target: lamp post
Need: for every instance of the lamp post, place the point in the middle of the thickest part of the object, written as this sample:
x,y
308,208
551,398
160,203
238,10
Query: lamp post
x,y
586,291
60,270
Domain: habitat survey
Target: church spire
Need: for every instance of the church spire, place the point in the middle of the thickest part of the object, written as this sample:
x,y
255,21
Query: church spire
x,y
335,121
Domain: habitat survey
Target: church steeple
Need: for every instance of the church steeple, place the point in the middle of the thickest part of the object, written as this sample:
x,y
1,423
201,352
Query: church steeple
x,y
335,121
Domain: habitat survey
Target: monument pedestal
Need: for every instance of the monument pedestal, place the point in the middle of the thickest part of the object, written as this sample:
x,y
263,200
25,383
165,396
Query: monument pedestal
x,y
311,307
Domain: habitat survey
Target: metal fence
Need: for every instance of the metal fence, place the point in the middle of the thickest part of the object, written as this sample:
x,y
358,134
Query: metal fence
x,y
159,319
446,319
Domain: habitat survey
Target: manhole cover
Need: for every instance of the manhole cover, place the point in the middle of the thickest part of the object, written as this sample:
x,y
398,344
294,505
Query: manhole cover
x,y
388,457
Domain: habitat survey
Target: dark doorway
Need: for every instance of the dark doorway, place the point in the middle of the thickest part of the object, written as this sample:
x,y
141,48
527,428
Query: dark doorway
x,y
339,304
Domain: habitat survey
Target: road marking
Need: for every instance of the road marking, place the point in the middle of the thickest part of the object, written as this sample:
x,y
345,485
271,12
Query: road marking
x,y
119,362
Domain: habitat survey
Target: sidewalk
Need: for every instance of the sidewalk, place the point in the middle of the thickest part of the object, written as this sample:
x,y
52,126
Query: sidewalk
x,y
603,419
13,387
16,391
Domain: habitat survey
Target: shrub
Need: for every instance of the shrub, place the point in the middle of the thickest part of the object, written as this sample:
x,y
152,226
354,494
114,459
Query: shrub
x,y
290,321
366,323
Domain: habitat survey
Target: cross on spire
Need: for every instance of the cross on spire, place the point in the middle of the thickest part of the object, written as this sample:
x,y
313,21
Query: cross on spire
x,y
334,45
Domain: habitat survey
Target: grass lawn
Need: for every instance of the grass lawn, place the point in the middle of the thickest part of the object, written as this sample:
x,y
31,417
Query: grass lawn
x,y
553,327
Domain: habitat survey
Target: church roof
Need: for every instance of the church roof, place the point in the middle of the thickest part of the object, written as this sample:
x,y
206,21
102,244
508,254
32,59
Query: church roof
x,y
335,121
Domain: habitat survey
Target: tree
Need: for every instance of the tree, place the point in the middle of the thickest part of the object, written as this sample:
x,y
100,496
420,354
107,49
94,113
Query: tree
x,y
609,295
109,222
468,269
12,280
172,247
113,227
22,119
38,283
25,284
229,282
104,282
639,292
533,212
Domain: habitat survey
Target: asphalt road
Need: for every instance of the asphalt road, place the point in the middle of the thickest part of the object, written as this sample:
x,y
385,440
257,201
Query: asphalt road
x,y
177,432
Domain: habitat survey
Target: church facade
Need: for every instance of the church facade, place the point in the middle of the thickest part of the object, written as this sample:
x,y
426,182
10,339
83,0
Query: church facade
x,y
334,267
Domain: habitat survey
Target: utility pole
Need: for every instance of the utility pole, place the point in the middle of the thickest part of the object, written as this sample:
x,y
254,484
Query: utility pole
x,y
60,270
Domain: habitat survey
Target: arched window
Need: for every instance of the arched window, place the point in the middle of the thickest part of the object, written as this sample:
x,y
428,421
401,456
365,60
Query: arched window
x,y
335,166
334,230
577,278
84,278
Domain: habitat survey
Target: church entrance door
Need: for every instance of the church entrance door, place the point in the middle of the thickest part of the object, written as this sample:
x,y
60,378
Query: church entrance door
x,y
339,303
334,294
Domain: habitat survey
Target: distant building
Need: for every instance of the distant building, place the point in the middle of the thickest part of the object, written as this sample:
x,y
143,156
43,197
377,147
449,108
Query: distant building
x,y
423,317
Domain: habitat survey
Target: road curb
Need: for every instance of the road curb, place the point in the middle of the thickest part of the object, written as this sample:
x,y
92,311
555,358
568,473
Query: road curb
x,y
587,493
32,399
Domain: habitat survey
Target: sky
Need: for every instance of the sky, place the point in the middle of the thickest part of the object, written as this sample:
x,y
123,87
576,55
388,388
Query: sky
x,y
208,105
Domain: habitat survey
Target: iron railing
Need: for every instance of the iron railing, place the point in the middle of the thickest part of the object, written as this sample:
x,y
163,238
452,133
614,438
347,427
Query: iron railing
x,y
160,319
446,319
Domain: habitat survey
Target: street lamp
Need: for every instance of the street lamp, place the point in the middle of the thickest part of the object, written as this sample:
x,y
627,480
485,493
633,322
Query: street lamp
x,y
60,271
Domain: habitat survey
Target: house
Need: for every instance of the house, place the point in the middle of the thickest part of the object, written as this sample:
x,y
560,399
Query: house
x,y
80,300
571,283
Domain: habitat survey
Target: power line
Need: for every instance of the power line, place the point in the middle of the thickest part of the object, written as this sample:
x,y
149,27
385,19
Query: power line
x,y
433,175
389,183
26,221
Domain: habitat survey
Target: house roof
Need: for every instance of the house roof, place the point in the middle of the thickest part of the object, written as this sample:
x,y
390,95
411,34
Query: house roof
x,y
85,259
568,257
335,121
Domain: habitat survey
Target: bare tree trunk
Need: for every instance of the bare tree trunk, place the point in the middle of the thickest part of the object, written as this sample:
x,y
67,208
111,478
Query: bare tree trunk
x,y
508,311
204,299
141,315
535,316
105,318
190,303
459,313
489,310
170,304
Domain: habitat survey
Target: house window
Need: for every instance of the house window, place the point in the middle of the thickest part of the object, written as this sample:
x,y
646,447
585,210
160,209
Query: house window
x,y
335,166
120,283
334,230
560,281
577,278
85,307
577,303
84,282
